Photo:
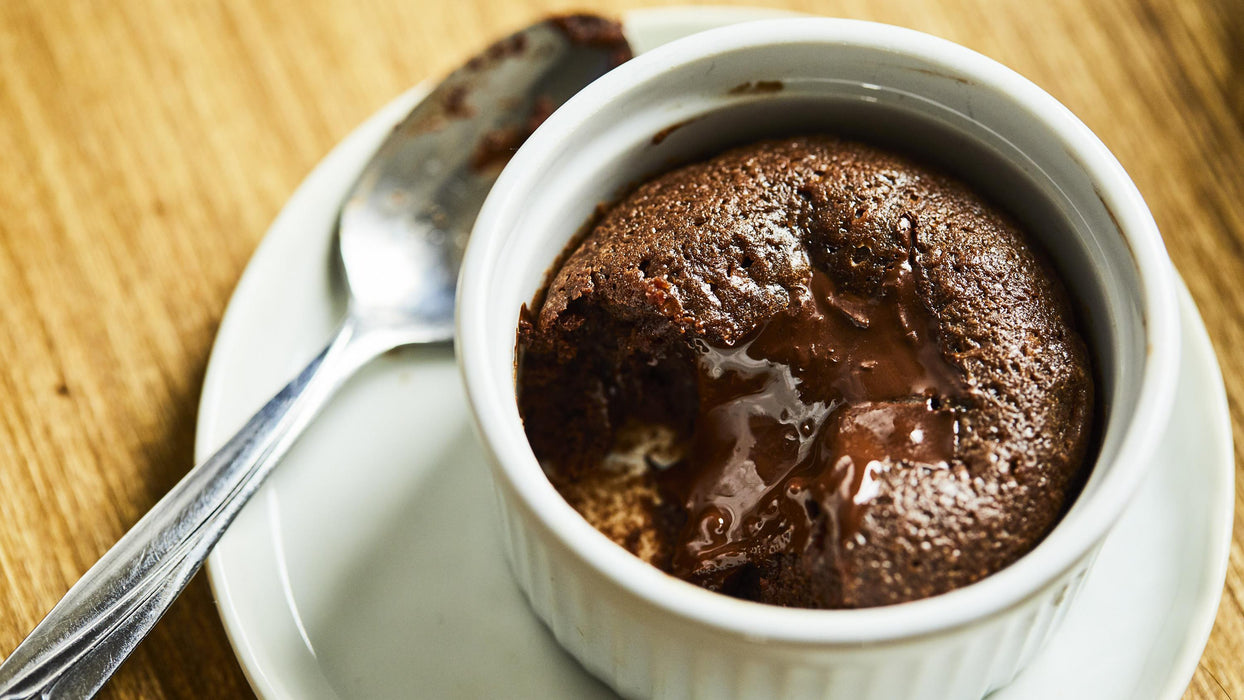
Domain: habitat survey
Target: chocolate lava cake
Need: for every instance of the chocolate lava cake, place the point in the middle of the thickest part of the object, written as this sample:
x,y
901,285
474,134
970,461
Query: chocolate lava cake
x,y
809,372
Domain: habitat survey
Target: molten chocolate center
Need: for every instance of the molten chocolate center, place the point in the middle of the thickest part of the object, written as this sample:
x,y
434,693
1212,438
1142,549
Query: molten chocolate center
x,y
797,422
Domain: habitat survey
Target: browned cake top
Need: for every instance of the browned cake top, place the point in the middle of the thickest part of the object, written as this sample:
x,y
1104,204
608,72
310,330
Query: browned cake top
x,y
809,372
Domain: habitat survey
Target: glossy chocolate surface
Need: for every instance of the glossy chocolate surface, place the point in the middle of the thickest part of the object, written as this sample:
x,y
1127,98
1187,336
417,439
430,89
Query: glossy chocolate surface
x,y
795,423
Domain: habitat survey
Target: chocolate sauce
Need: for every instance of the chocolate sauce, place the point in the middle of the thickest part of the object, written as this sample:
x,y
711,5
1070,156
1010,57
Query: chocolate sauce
x,y
796,422
594,31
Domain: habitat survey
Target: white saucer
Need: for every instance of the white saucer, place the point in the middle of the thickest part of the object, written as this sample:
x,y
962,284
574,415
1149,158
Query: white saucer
x,y
370,566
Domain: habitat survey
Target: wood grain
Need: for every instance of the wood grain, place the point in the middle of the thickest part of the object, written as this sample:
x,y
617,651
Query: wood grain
x,y
145,146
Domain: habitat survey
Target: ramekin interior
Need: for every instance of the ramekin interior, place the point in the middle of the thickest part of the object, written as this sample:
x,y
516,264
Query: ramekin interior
x,y
925,95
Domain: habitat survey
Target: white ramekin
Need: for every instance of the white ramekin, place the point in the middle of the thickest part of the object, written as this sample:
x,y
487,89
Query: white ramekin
x,y
648,634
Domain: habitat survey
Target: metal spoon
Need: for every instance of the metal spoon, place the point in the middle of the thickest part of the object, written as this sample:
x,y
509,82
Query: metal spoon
x,y
401,233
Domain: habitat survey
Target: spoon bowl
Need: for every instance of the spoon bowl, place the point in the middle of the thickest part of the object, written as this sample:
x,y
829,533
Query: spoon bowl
x,y
404,225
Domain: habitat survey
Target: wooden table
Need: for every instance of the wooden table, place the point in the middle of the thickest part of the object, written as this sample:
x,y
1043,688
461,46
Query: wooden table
x,y
146,145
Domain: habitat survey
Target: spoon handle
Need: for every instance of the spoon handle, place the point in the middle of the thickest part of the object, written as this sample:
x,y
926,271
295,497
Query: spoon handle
x,y
92,630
